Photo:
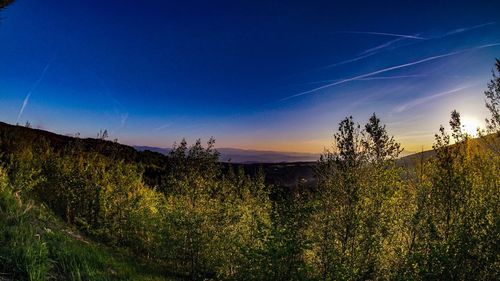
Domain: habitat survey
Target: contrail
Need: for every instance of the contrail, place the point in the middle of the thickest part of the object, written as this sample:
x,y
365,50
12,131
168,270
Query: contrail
x,y
384,34
422,100
348,61
381,46
394,77
375,50
35,85
368,78
25,102
389,69
371,74
364,54
460,30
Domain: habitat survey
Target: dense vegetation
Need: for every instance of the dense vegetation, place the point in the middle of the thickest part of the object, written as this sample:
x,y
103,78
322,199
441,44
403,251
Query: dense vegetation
x,y
188,216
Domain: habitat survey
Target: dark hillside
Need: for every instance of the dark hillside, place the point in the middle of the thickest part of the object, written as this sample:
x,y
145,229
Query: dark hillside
x,y
13,137
278,174
286,175
12,134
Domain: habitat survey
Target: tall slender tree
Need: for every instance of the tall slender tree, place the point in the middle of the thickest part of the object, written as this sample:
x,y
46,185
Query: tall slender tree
x,y
493,100
339,177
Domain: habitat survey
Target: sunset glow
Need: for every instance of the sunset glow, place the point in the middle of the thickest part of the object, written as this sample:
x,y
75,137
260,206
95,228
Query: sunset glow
x,y
470,125
264,77
249,140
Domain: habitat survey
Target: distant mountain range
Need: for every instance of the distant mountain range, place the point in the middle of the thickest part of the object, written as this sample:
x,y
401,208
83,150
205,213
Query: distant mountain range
x,y
236,155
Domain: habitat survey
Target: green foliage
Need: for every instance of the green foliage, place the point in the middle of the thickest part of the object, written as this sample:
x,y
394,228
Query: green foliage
x,y
211,218
493,100
359,193
284,254
22,253
368,217
36,246
457,212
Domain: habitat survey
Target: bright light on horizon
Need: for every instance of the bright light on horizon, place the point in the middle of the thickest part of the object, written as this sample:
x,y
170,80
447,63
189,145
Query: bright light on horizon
x,y
470,125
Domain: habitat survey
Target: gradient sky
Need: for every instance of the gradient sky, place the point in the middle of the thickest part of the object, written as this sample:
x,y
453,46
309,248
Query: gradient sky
x,y
270,75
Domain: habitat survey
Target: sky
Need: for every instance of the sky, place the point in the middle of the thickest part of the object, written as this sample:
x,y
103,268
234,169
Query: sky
x,y
267,75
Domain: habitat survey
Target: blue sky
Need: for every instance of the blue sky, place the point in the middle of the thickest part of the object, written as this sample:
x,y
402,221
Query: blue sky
x,y
271,75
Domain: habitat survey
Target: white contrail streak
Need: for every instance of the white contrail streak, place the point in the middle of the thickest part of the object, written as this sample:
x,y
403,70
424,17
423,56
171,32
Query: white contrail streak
x,y
368,78
377,49
460,30
393,77
425,99
366,53
348,61
381,46
35,85
371,74
25,102
389,69
385,34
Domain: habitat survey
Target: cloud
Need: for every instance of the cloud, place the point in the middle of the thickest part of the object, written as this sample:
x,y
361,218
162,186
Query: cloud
x,y
389,69
35,85
422,100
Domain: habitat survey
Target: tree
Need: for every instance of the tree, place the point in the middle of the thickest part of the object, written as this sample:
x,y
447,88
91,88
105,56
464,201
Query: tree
x,y
339,176
378,144
380,196
456,214
493,100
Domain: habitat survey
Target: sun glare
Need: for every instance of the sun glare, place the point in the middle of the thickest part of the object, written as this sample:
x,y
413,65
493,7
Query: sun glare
x,y
470,125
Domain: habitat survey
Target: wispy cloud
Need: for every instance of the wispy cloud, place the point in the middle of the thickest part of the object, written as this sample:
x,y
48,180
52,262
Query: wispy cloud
x,y
385,34
123,119
120,113
422,100
389,69
162,127
35,85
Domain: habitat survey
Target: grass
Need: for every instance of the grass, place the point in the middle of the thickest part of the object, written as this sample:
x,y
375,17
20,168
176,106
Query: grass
x,y
35,245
